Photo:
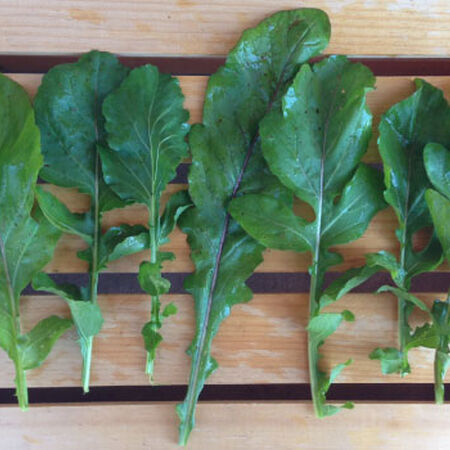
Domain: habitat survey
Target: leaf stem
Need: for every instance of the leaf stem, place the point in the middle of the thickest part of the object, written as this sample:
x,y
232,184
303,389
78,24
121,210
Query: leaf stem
x,y
20,379
439,388
21,385
403,327
313,351
86,351
86,343
155,323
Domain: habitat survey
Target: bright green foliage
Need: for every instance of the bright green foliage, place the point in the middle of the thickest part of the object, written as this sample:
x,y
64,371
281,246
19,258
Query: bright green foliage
x,y
146,126
226,163
314,144
405,129
27,239
437,165
69,115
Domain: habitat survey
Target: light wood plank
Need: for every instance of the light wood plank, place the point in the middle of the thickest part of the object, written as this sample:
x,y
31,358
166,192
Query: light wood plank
x,y
212,27
379,236
232,426
261,342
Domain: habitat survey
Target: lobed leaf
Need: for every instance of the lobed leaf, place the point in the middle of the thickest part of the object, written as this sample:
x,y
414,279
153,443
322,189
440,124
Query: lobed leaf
x,y
314,144
35,346
27,239
227,163
437,165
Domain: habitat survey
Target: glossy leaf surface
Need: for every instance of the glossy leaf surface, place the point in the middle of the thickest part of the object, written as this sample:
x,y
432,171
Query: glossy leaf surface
x,y
314,145
69,114
405,129
147,125
27,240
226,163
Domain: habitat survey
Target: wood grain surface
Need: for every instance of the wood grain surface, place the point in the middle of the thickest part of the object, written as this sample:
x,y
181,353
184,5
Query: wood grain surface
x,y
212,27
263,341
227,426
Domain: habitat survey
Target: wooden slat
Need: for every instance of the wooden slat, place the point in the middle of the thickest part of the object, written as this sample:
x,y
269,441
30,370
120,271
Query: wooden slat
x,y
379,236
205,27
227,426
261,342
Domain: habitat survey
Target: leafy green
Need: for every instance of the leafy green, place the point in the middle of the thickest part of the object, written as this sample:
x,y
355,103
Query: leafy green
x,y
226,163
437,165
27,240
146,126
405,129
314,145
68,112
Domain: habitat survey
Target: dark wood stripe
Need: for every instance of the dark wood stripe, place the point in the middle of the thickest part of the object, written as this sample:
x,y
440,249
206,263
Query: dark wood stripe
x,y
199,65
260,283
381,392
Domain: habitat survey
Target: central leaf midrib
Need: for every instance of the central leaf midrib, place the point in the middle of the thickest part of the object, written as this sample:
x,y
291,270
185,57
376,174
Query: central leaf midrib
x,y
14,316
223,237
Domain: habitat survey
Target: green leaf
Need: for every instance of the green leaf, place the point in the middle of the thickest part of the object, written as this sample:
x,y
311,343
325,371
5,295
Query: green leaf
x,y
325,324
441,326
405,129
348,219
401,293
68,109
345,283
324,384
150,279
177,204
227,163
69,115
423,336
441,364
387,261
43,282
314,145
392,360
151,337
437,164
273,223
87,317
86,314
58,214
147,126
169,310
26,243
122,241
439,207
35,346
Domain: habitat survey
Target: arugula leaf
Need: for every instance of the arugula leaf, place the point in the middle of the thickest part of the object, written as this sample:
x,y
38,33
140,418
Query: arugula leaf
x,y
26,243
227,162
437,165
405,129
313,145
68,112
146,126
